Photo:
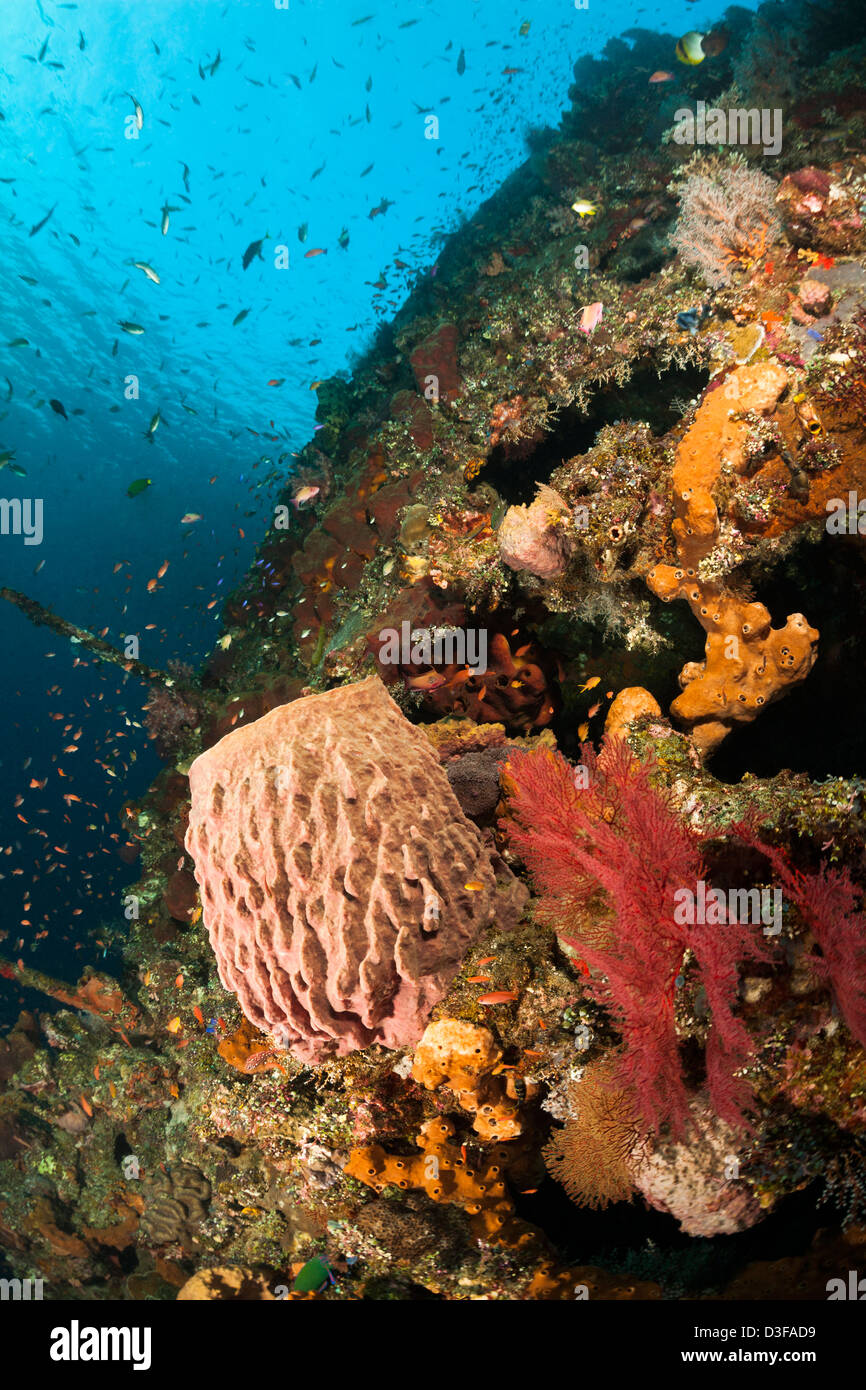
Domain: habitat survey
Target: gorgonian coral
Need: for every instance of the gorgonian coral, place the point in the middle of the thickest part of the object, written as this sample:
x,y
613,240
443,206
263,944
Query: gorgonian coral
x,y
593,1155
608,854
827,902
726,218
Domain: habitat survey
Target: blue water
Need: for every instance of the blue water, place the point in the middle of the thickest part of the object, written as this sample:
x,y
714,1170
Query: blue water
x,y
245,151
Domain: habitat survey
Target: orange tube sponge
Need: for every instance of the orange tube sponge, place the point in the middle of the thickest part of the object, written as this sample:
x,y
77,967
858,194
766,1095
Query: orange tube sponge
x,y
748,663
441,1171
464,1057
716,443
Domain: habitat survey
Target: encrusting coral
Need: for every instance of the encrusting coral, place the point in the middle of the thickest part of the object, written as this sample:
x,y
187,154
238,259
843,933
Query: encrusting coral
x,y
698,1182
341,883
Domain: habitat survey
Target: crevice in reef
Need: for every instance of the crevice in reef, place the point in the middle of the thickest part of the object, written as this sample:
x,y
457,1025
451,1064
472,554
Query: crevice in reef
x,y
658,400
817,729
647,1244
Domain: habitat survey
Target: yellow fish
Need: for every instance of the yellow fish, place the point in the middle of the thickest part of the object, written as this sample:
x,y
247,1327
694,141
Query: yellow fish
x,y
584,208
690,49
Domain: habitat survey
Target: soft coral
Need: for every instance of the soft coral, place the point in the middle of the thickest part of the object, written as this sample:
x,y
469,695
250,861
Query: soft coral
x,y
609,852
827,902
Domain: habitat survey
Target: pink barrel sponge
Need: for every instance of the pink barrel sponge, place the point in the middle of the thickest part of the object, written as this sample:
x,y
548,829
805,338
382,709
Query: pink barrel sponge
x,y
341,883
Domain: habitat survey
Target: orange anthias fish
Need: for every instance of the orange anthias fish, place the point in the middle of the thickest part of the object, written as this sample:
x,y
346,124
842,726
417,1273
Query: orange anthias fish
x,y
499,996
305,494
431,680
662,76
590,684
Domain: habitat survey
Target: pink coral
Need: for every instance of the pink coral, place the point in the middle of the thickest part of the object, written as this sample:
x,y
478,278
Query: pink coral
x,y
341,884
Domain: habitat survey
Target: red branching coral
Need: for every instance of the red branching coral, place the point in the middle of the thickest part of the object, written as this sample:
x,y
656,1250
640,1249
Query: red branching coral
x,y
827,901
609,853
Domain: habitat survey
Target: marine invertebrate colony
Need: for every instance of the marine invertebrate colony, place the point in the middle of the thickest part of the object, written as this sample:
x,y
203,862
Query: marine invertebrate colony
x,y
341,883
748,663
407,940
726,218
609,855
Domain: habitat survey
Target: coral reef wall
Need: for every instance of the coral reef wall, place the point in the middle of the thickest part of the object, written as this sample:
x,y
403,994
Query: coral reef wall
x,y
456,915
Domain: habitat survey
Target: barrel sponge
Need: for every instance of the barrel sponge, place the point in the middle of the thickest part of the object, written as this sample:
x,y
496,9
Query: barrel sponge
x,y
341,884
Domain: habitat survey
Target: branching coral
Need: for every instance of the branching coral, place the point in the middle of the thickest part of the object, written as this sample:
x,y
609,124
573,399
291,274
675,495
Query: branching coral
x,y
593,1154
725,218
827,901
608,854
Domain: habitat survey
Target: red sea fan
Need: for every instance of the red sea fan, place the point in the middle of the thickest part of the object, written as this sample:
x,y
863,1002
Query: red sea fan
x,y
608,854
827,902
